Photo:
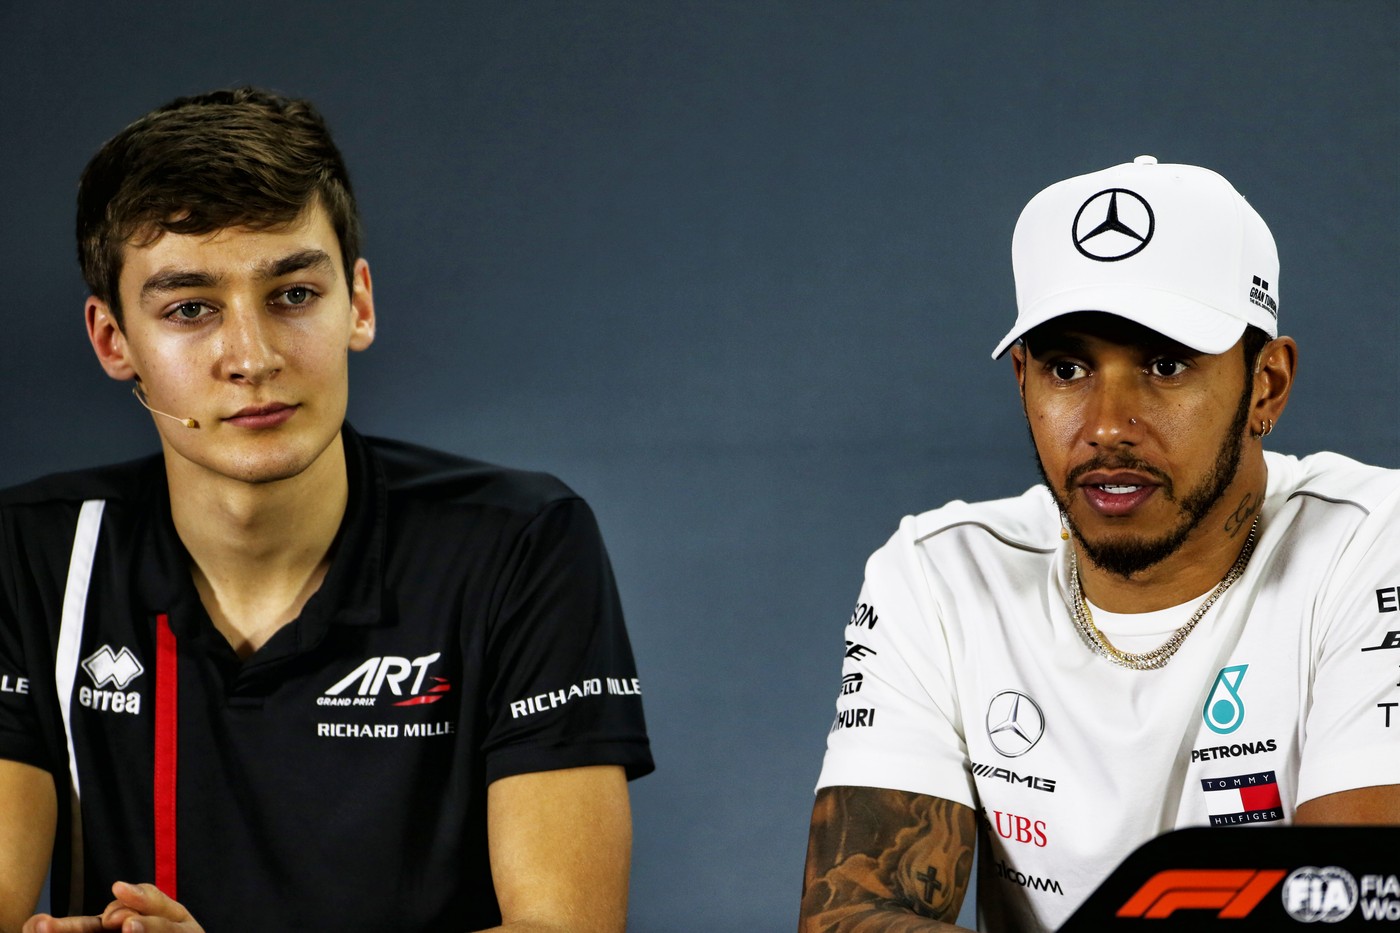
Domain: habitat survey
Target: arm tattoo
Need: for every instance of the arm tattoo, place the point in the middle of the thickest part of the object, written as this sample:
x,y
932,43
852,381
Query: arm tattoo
x,y
885,860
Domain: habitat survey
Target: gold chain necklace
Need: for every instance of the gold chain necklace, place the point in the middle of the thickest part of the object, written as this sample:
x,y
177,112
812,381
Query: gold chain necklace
x,y
1159,656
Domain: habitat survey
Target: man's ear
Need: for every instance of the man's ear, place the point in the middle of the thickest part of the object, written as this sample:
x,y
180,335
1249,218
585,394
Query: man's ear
x,y
108,342
362,306
1273,380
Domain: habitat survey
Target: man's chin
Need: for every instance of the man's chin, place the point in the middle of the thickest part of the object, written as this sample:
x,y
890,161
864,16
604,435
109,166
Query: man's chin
x,y
255,468
1125,555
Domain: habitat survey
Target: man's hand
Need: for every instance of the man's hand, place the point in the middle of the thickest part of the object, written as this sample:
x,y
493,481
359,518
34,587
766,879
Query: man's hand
x,y
138,908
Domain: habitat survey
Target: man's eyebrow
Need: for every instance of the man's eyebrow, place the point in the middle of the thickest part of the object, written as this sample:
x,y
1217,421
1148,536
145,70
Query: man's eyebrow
x,y
1057,343
302,260
170,280
1072,344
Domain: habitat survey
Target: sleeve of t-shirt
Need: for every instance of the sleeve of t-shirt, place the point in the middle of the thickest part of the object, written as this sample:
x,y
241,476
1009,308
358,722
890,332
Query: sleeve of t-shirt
x,y
1352,732
564,690
897,724
20,738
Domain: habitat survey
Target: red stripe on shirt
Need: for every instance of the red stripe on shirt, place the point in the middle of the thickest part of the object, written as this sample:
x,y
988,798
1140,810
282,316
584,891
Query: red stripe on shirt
x,y
167,744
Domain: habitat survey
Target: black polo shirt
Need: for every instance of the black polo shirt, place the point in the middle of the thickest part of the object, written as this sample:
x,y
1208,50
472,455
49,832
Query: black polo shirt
x,y
468,629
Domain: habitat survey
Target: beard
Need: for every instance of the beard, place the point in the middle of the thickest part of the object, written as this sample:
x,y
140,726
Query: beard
x,y
1124,556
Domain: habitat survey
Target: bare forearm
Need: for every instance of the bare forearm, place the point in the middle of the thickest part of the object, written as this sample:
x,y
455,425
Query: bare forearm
x,y
28,816
549,926
1362,806
883,860
560,844
878,920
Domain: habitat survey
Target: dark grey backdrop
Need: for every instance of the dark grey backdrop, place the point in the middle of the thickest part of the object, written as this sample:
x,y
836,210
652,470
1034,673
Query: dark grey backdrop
x,y
733,270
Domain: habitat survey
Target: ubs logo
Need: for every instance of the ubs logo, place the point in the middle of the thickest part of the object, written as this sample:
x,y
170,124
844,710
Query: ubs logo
x,y
1109,228
1014,723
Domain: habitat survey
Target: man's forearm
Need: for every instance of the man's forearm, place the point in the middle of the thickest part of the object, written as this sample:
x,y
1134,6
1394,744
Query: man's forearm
x,y
885,860
874,919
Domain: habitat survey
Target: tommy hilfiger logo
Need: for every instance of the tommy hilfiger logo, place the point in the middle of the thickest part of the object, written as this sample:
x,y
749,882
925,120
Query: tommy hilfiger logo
x,y
1243,798
109,668
1259,294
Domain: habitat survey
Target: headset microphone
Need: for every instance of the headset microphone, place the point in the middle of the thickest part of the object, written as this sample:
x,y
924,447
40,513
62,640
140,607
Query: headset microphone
x,y
141,397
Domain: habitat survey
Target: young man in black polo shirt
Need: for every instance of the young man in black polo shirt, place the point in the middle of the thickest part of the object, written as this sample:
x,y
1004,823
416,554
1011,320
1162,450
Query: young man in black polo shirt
x,y
284,676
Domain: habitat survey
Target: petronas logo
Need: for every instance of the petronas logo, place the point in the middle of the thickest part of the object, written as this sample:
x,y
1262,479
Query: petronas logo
x,y
1224,710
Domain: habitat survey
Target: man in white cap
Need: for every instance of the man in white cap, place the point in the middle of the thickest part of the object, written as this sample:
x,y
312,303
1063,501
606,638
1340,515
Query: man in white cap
x,y
1177,629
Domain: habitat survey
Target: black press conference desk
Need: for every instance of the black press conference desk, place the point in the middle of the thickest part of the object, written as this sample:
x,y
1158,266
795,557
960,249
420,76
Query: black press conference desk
x,y
1261,878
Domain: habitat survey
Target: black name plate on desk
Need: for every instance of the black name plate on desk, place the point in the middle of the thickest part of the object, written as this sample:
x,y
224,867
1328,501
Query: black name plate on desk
x,y
1281,878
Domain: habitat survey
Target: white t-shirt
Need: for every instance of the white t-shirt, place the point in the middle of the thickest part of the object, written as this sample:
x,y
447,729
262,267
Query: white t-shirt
x,y
966,678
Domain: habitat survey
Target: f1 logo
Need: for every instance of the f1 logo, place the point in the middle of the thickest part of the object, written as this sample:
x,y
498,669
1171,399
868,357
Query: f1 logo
x,y
1234,892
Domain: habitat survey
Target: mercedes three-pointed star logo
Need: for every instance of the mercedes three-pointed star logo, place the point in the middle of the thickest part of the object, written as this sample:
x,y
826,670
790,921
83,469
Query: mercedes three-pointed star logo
x,y
1014,723
1108,228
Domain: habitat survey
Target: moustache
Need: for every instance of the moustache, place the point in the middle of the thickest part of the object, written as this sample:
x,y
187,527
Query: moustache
x,y
1119,461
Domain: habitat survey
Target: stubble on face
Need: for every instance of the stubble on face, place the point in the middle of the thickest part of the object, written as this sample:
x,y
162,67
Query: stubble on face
x,y
1125,556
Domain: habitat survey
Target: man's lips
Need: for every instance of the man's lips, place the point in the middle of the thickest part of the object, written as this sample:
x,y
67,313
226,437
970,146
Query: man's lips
x,y
262,416
1116,493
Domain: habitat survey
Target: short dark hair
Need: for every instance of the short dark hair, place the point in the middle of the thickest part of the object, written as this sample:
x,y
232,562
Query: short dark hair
x,y
240,157
1254,341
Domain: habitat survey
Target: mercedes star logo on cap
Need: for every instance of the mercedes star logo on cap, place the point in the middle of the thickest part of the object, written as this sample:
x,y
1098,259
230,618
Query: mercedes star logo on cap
x,y
1109,228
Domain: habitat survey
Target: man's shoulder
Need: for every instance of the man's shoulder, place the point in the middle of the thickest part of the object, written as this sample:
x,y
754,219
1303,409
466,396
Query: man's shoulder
x,y
1333,478
112,482
412,471
1028,522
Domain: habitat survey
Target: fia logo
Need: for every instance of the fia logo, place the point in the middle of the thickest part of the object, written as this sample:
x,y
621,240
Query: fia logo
x,y
1224,710
1327,894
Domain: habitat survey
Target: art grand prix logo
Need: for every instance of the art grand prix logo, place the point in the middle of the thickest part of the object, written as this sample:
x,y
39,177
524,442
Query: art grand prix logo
x,y
1108,227
375,674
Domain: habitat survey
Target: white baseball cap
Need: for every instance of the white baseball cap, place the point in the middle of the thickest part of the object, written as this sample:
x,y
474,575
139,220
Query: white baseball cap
x,y
1173,247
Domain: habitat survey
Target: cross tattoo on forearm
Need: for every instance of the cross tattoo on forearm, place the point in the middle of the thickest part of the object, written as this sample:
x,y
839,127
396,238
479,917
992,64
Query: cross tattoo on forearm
x,y
931,883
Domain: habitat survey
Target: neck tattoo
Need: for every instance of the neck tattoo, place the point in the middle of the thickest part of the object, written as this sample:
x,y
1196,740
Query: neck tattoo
x,y
1159,656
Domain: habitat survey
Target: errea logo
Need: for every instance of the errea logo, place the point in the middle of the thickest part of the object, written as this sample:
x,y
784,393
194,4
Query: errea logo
x,y
115,669
374,674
